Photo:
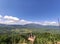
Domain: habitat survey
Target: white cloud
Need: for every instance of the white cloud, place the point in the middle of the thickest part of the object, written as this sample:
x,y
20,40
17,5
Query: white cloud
x,y
8,19
24,22
50,23
14,20
11,18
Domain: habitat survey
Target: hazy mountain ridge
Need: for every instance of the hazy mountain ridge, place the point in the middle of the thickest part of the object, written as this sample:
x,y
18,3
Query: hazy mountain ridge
x,y
30,26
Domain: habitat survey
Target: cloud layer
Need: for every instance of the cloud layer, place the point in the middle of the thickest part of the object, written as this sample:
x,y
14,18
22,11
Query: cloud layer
x,y
14,20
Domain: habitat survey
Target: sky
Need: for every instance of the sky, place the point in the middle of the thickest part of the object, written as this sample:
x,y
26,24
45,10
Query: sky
x,y
44,12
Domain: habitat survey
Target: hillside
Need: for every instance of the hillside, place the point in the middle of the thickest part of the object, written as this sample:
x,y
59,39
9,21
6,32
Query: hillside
x,y
28,28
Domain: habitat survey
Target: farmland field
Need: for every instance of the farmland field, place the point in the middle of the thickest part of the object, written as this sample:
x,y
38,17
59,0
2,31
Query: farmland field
x,y
20,35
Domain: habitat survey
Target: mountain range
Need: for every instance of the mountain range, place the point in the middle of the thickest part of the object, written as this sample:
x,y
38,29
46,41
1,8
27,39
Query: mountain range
x,y
32,25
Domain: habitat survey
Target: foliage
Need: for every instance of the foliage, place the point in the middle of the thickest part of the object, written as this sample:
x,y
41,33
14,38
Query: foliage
x,y
41,38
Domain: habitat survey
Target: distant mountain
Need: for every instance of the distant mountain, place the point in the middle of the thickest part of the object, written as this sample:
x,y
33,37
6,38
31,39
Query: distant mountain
x,y
2,24
40,26
32,25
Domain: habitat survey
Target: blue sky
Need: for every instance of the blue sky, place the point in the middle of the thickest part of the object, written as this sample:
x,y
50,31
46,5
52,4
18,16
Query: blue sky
x,y
31,10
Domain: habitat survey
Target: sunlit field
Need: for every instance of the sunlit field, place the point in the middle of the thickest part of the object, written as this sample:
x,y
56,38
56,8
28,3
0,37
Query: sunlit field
x,y
20,36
